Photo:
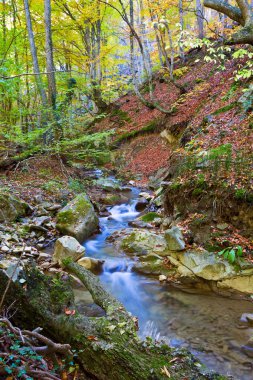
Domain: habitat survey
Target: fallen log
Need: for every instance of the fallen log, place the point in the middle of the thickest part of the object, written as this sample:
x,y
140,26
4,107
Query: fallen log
x,y
108,347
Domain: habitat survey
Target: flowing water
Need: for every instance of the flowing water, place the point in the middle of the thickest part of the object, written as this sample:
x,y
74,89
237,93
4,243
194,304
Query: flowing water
x,y
207,325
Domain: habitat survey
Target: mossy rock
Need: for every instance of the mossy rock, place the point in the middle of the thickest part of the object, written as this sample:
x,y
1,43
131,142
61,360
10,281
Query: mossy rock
x,y
139,242
11,208
149,217
78,218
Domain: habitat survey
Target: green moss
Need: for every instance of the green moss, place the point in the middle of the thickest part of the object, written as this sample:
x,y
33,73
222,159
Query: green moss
x,y
122,115
78,207
111,199
244,194
175,186
65,217
150,217
82,204
149,128
225,108
197,191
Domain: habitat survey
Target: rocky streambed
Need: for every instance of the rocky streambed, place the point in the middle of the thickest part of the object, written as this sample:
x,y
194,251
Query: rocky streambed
x,y
190,306
181,294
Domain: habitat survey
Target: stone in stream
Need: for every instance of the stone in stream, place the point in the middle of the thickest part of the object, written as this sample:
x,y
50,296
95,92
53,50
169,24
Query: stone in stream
x,y
139,242
175,239
141,204
67,247
78,218
12,208
91,264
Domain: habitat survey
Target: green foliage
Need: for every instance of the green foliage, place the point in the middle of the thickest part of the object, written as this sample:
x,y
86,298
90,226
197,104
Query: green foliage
x,y
225,108
149,128
150,217
76,185
244,194
52,186
178,73
231,254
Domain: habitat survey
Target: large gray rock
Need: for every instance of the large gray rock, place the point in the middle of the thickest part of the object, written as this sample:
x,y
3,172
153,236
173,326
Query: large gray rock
x,y
67,247
12,208
210,267
202,264
175,239
78,218
139,242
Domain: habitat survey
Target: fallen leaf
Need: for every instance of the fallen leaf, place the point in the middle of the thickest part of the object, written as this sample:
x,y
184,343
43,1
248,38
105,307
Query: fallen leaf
x,y
92,337
69,311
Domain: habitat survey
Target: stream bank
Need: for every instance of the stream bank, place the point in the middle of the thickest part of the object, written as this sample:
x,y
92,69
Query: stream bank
x,y
214,328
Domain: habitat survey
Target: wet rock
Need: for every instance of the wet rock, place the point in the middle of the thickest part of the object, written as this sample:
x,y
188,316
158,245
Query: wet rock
x,y
91,264
162,278
141,204
147,196
67,247
41,220
139,224
166,223
5,249
12,208
78,218
151,264
108,184
175,239
242,282
158,201
202,264
53,207
140,242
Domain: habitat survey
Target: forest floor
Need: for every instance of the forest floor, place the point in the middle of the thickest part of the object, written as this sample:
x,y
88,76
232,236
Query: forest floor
x,y
201,155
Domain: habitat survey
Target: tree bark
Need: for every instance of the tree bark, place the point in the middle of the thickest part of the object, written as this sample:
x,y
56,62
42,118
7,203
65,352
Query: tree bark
x,y
200,21
108,347
34,54
243,14
49,55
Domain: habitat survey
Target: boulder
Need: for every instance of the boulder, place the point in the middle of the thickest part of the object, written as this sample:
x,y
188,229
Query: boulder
x,y
210,267
151,264
141,204
12,208
67,247
175,239
91,264
139,242
78,218
206,265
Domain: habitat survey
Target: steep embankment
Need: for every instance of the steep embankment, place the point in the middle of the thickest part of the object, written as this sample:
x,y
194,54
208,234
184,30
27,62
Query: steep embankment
x,y
202,151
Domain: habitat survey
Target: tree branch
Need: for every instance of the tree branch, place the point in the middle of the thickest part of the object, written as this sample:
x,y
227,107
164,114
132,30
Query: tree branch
x,y
229,10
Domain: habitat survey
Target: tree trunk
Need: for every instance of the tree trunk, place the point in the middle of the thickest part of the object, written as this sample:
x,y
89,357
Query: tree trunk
x,y
108,347
200,16
181,21
243,14
34,54
49,55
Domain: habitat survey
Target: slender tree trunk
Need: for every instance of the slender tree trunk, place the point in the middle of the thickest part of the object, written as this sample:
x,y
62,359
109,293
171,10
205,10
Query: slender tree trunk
x,y
34,54
181,21
49,55
200,22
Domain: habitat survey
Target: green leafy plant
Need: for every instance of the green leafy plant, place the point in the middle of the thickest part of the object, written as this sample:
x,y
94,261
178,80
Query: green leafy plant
x,y
232,254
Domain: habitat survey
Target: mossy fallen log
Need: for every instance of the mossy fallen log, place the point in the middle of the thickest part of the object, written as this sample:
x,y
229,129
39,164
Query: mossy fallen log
x,y
108,347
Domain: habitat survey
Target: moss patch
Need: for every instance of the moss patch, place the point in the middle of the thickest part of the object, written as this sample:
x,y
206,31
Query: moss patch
x,y
150,217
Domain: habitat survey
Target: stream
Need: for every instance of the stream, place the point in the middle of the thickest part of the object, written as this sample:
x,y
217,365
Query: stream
x,y
207,325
